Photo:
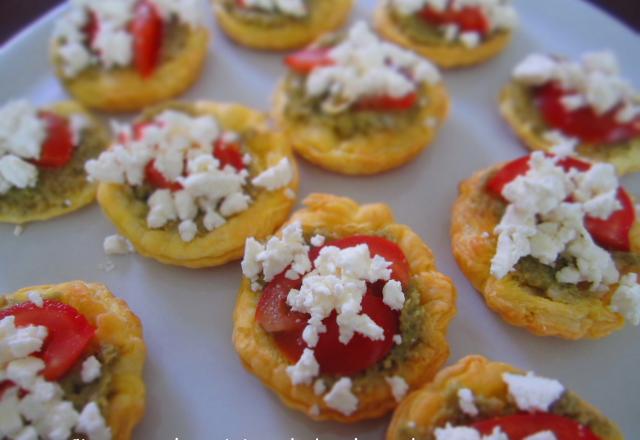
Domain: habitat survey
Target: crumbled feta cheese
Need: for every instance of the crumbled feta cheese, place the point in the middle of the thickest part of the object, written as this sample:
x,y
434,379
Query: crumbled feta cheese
x,y
365,66
392,295
457,433
535,70
341,398
319,387
187,230
317,240
542,435
398,387
466,402
22,132
116,245
92,423
397,339
17,172
276,177
35,297
305,369
626,299
533,393
91,369
470,39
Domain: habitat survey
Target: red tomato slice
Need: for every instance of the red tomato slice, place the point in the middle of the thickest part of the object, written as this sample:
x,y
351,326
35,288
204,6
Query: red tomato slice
x,y
611,233
583,123
146,28
382,103
359,354
157,179
68,337
308,59
377,246
519,426
468,19
91,28
57,148
273,313
228,154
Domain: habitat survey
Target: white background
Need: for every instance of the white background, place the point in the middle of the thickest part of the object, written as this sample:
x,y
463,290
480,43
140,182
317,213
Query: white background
x,y
196,385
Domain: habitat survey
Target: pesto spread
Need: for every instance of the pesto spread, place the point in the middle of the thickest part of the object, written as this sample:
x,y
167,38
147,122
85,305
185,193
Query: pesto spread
x,y
56,185
257,17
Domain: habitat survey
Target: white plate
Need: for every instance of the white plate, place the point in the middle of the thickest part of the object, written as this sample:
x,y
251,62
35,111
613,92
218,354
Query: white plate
x,y
196,385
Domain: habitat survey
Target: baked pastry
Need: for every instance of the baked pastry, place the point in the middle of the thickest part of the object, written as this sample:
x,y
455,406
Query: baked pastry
x,y
72,358
587,102
123,55
552,244
452,33
343,311
42,157
356,105
477,399
279,24
186,182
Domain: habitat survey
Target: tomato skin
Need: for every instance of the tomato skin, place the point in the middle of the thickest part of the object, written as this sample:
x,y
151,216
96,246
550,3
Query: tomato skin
x,y
57,148
519,426
468,19
147,29
611,233
228,154
359,353
273,313
69,333
583,123
306,60
157,179
91,28
387,103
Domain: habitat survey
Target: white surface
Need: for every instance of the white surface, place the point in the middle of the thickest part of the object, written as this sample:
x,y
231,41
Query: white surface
x,y
196,385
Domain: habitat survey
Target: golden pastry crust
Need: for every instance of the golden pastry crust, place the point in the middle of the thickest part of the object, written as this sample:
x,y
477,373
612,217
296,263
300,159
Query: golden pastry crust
x,y
447,56
475,212
123,90
626,160
225,243
344,217
73,198
116,325
326,15
427,407
370,153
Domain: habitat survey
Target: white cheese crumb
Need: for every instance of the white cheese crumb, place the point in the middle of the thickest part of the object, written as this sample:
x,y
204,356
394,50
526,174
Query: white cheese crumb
x,y
319,387
542,435
67,203
275,177
392,295
91,369
470,39
92,423
466,402
18,230
626,299
187,230
341,398
305,369
398,387
35,297
397,339
317,240
116,245
456,433
533,393
535,69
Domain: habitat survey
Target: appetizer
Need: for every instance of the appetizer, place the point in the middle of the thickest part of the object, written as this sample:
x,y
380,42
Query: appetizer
x,y
451,33
354,104
476,399
551,242
279,24
343,311
586,102
42,157
186,183
123,55
71,363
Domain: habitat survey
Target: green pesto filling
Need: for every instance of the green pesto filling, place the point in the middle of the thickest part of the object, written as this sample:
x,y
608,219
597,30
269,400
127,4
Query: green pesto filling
x,y
56,185
424,33
524,107
259,17
304,109
568,405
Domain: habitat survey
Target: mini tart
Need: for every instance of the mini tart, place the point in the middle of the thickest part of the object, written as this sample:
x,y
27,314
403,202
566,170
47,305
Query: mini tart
x,y
342,217
446,54
324,15
365,153
435,404
63,189
475,214
225,243
123,89
518,109
116,325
